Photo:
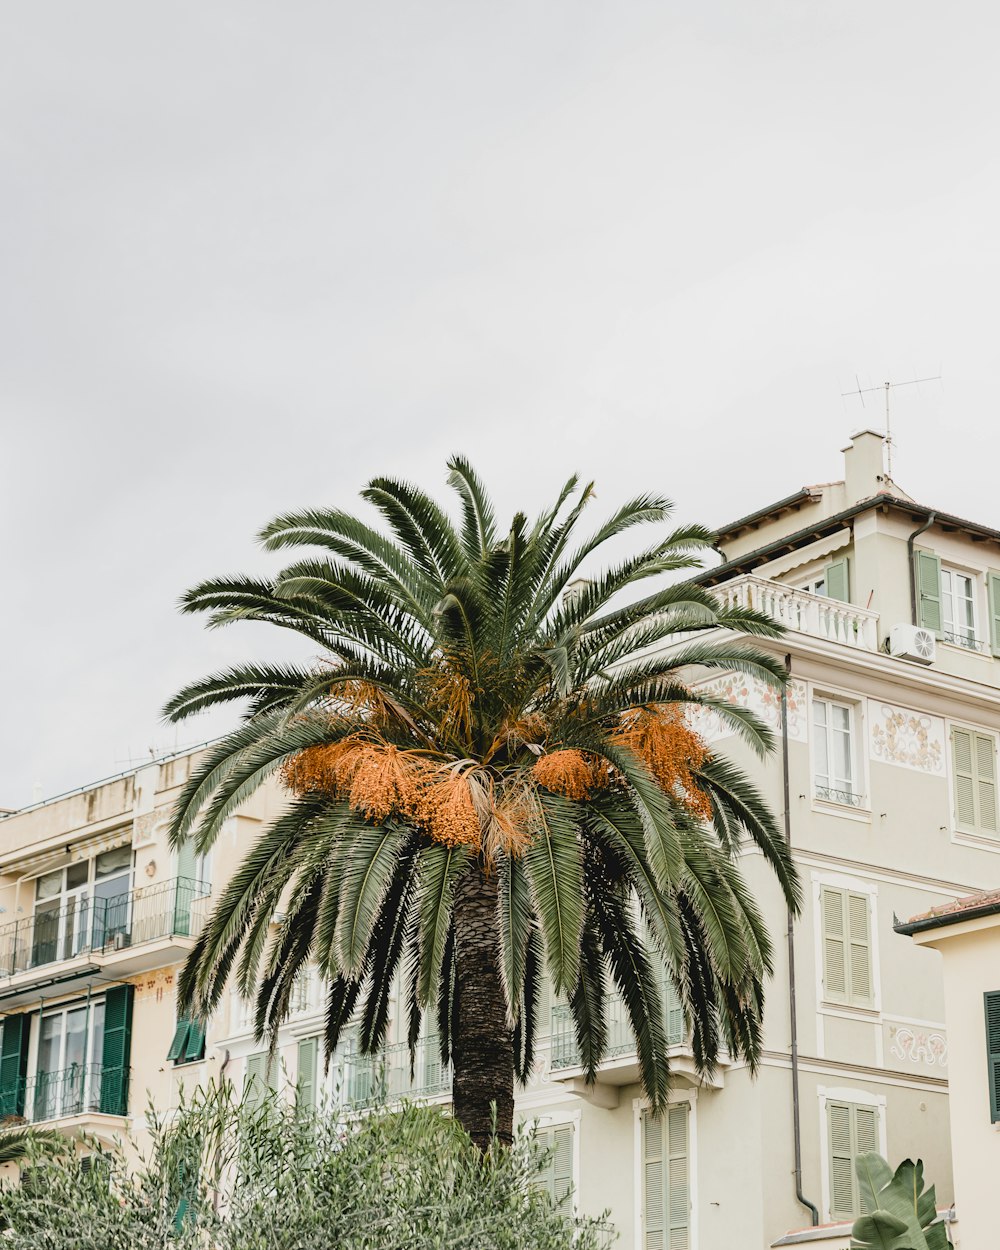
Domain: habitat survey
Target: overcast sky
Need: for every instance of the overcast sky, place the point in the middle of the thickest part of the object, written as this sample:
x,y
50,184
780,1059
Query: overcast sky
x,y
254,254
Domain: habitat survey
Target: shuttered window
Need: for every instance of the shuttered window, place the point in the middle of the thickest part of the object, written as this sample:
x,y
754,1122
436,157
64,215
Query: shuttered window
x,y
13,1064
927,583
257,1078
117,1049
838,580
973,760
188,1043
852,1130
848,973
306,1077
992,1005
556,1177
666,1188
993,609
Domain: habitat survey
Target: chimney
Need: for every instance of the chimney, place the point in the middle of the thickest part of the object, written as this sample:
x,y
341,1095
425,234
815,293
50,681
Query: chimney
x,y
864,471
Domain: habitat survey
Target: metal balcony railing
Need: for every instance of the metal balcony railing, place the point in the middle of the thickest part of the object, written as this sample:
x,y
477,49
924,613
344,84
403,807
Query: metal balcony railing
x,y
174,908
565,1052
369,1080
76,1090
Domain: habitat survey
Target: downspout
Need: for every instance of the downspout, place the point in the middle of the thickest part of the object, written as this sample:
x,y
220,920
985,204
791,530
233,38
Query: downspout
x,y
913,572
796,1117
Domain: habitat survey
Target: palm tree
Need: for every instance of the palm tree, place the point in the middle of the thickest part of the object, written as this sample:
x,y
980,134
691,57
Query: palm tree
x,y
490,776
21,1141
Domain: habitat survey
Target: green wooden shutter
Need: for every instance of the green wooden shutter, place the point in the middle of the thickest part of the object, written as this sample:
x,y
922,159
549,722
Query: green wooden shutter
x,y
195,1048
860,939
666,1180
835,956
306,1076
562,1168
992,1003
865,1143
993,603
986,783
927,579
973,758
838,580
257,1078
14,1064
965,778
179,1043
117,1050
842,1182
653,1189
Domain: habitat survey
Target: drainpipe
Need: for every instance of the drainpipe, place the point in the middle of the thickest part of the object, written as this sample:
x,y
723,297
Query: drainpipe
x,y
796,1117
913,572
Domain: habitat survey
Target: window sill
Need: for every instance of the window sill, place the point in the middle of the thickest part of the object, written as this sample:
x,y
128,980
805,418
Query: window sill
x,y
961,649
862,814
981,841
850,1012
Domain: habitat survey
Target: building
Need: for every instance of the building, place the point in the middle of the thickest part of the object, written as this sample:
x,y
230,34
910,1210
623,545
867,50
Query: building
x,y
886,777
966,932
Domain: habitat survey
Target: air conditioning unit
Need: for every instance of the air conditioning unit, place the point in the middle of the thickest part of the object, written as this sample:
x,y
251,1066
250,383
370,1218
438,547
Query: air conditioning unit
x,y
912,642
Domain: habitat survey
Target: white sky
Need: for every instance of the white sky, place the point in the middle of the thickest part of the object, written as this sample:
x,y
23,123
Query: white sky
x,y
254,254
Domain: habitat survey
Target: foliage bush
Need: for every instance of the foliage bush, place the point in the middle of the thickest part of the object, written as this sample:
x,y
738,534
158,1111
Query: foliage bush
x,y
224,1176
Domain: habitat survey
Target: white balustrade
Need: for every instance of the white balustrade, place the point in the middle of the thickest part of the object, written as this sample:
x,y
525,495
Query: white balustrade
x,y
804,612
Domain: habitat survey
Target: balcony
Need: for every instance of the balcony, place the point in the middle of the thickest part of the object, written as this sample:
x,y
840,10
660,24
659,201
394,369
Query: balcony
x,y
120,936
83,1090
620,1065
370,1080
805,613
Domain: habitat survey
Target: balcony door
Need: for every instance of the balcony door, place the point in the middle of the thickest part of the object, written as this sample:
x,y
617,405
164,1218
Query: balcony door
x,y
82,906
68,1075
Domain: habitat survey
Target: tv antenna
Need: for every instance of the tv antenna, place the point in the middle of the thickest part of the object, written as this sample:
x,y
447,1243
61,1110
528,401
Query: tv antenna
x,y
861,392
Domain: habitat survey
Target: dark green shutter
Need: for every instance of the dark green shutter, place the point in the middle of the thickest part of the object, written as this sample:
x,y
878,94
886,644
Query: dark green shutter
x,y
116,1055
993,598
195,1048
178,1045
992,1002
838,581
927,579
14,1064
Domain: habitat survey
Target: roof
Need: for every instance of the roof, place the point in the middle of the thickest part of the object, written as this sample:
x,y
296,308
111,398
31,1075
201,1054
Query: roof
x,y
970,907
827,525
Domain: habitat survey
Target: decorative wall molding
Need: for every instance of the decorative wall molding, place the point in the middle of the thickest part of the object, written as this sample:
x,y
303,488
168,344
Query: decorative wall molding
x,y
908,739
754,694
920,1046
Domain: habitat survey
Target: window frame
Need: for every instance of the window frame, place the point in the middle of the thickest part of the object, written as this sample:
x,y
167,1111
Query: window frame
x,y
854,707
639,1105
976,832
853,1097
824,1005
950,635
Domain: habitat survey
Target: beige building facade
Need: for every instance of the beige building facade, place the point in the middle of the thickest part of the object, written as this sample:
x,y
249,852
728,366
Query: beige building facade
x,y
967,935
885,771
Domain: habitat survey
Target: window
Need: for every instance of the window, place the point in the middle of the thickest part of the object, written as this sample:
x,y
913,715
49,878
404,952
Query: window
x,y
188,1044
992,1004
848,976
973,760
831,583
68,1074
82,906
958,608
666,1199
258,1078
556,1177
305,1081
834,758
852,1130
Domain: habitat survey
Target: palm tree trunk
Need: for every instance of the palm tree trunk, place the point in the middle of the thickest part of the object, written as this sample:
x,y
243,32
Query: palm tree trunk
x,y
483,1048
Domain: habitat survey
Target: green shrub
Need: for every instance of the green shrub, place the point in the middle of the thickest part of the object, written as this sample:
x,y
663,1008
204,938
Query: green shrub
x,y
221,1176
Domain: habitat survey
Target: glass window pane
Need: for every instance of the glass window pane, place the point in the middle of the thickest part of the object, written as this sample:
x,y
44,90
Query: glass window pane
x,y
77,875
113,861
49,886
